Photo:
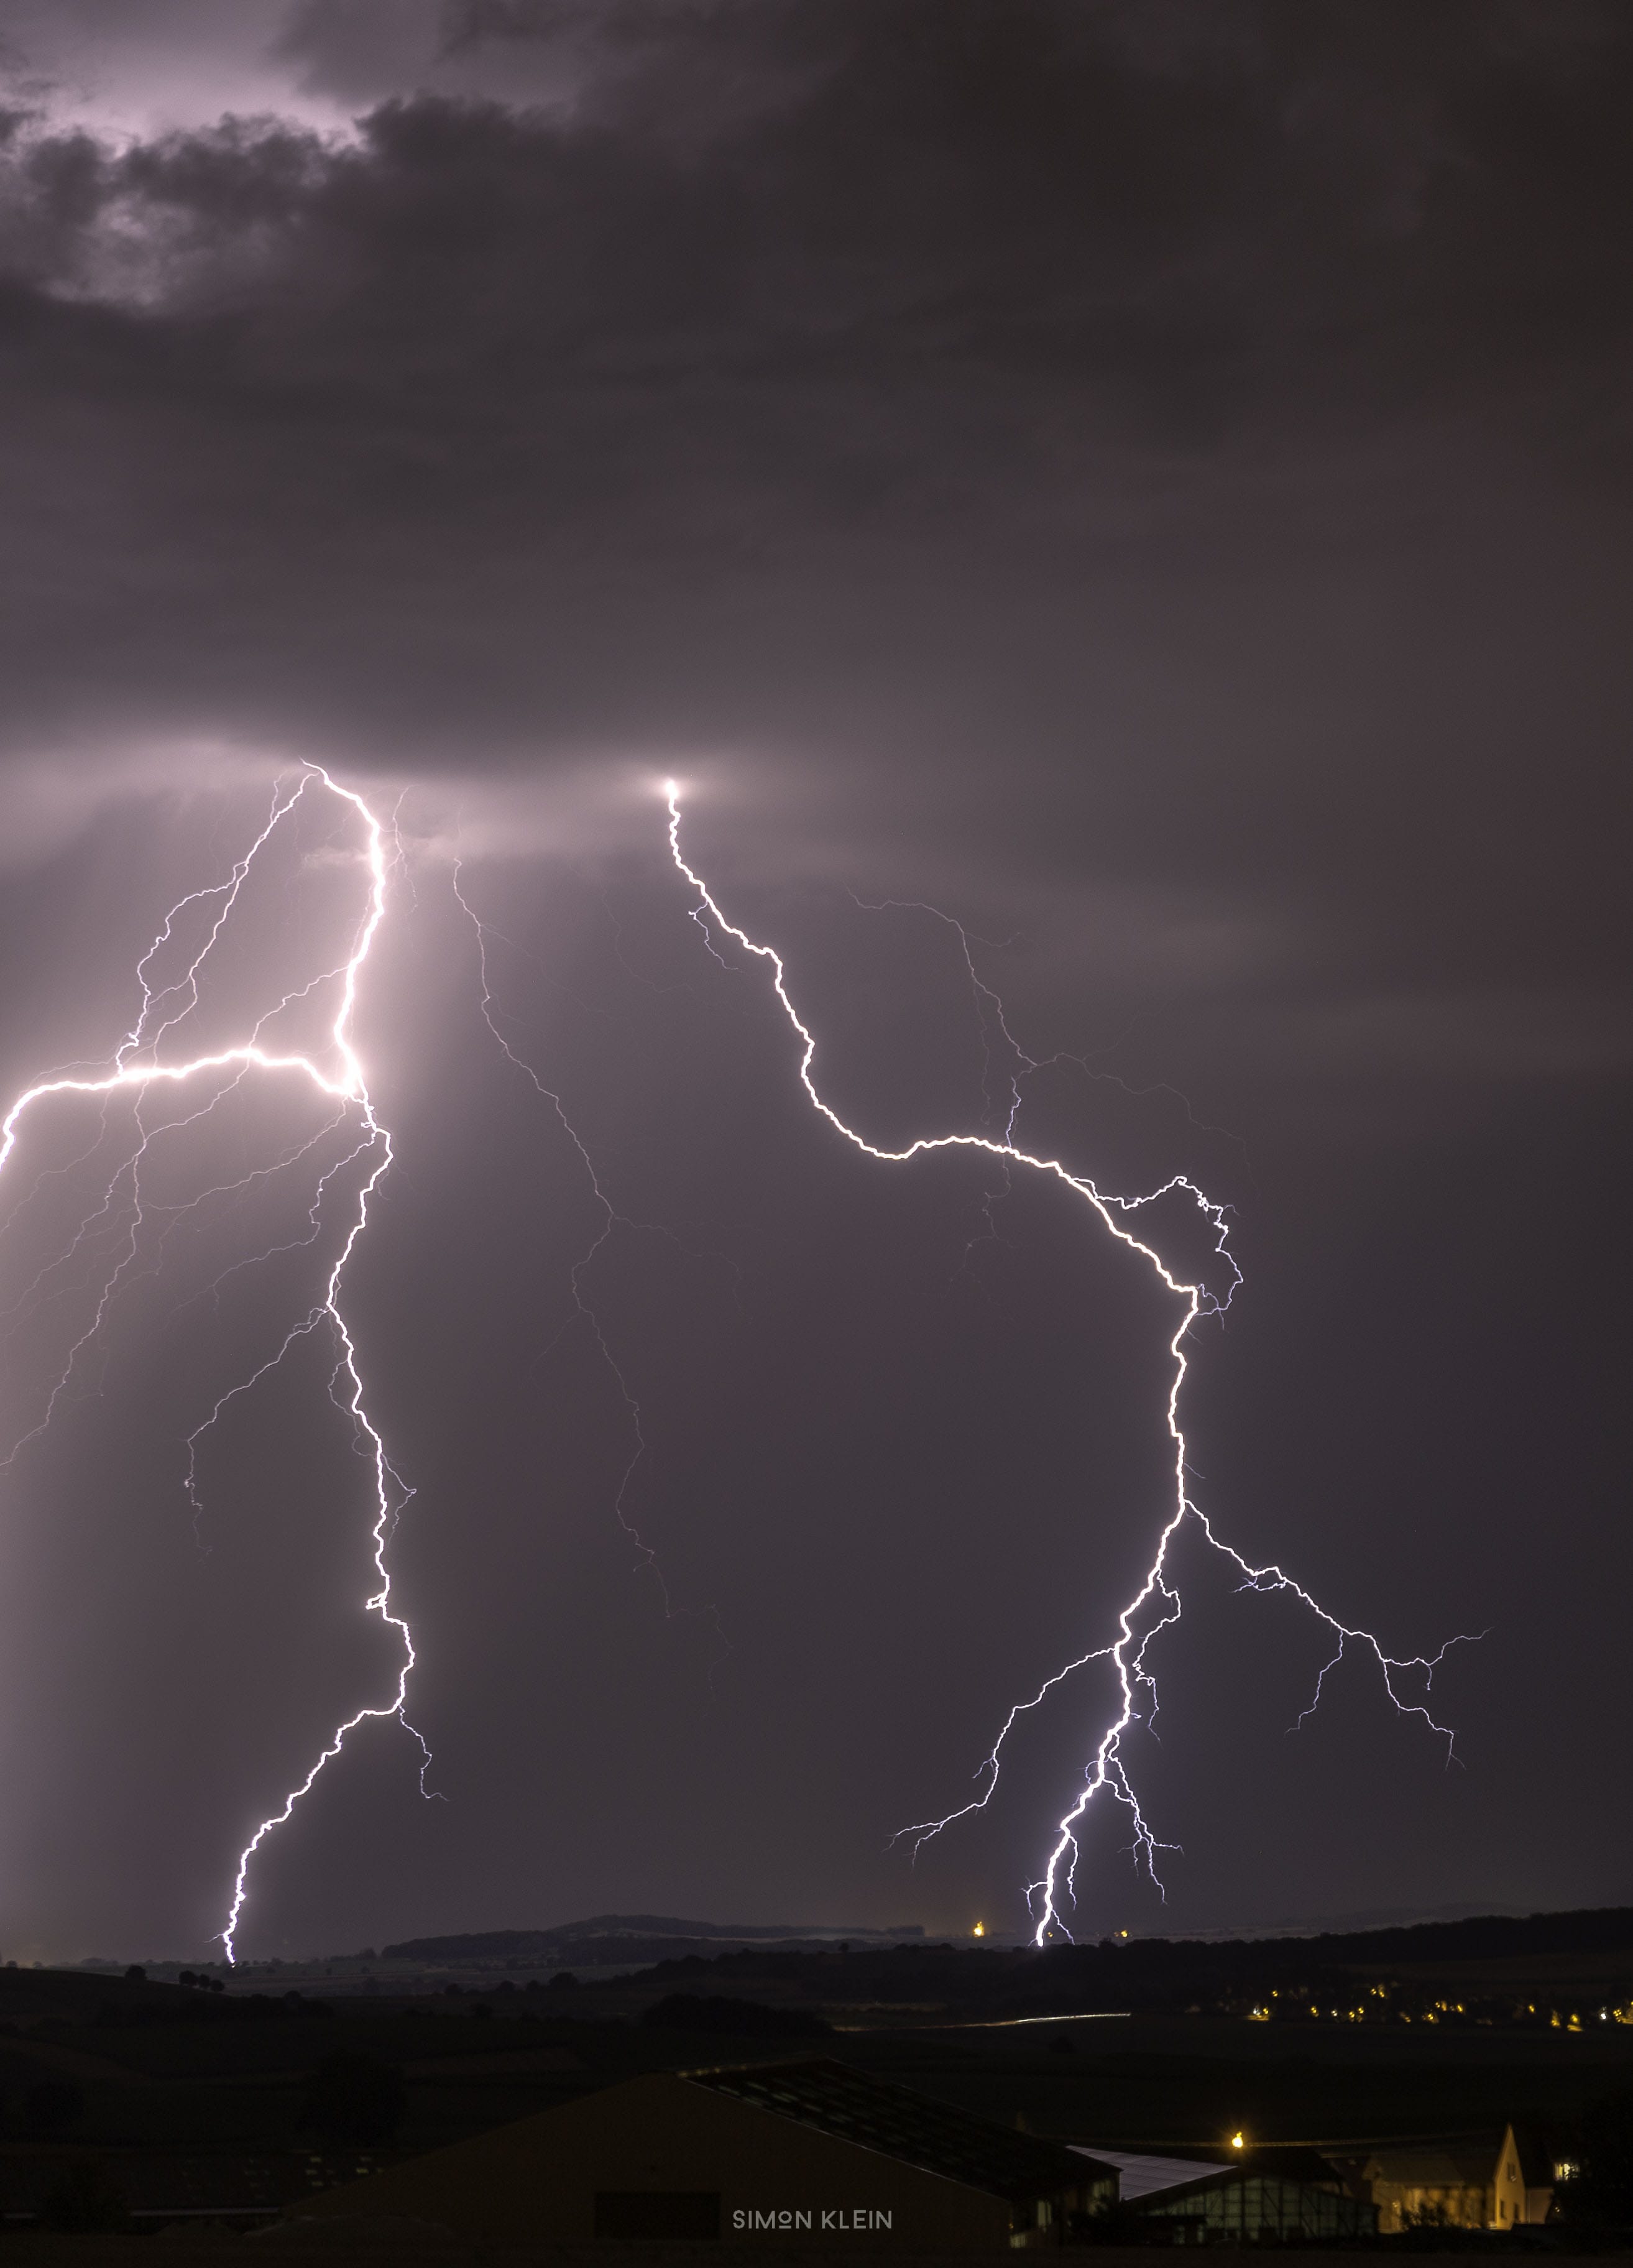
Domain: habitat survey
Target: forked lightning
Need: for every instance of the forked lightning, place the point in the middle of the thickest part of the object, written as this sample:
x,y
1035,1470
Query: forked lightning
x,y
141,1062
138,1064
1156,1606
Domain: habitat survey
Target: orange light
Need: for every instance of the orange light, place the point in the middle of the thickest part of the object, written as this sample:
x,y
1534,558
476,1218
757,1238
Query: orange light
x,y
980,1929
1238,2141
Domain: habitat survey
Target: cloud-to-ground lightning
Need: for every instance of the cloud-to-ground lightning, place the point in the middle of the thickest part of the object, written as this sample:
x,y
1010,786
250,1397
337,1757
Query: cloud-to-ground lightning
x,y
149,1061
143,1064
1156,1605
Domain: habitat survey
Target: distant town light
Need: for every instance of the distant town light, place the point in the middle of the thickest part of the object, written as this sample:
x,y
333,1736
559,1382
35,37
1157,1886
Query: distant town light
x,y
1238,2141
980,1929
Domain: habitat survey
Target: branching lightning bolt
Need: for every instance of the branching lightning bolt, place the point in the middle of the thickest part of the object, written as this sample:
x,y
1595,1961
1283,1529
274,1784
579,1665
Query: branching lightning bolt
x,y
139,1068
1156,1605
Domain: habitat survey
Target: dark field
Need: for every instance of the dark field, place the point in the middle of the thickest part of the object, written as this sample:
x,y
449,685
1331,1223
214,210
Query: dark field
x,y
1458,2026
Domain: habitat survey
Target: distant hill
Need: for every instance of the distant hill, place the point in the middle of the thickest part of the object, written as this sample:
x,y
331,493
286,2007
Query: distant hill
x,y
1485,1937
626,1939
606,1938
1547,1971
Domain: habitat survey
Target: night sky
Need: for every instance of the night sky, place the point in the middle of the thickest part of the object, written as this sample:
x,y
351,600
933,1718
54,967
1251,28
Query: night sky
x,y
1147,478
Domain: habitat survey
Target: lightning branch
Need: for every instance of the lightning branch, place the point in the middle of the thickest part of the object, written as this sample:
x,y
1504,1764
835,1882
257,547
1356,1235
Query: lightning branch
x,y
147,1062
1156,1606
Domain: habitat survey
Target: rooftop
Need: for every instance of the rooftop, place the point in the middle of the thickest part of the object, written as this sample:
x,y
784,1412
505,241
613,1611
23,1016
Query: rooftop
x,y
901,2124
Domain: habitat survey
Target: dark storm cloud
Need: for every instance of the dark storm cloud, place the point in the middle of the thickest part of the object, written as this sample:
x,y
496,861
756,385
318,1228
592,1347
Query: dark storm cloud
x,y
899,394
987,282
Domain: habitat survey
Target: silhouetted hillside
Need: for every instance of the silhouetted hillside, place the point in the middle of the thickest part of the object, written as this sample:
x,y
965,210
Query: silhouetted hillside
x,y
1537,1969
608,1938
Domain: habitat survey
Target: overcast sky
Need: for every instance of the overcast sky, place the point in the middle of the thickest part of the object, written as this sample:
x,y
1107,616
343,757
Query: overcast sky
x,y
1149,480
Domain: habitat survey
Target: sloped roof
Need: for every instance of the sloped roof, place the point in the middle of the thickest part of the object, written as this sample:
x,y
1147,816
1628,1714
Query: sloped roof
x,y
1438,2162
936,2137
1141,2174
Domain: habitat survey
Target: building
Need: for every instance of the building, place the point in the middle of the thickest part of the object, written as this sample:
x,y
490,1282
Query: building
x,y
1248,2195
1456,2181
812,2150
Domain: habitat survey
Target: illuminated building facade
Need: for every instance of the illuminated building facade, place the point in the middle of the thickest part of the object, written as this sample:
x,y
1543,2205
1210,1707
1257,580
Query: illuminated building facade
x,y
1460,2181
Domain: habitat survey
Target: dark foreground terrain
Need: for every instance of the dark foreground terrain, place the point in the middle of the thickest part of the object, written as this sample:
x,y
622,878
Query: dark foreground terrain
x,y
190,2103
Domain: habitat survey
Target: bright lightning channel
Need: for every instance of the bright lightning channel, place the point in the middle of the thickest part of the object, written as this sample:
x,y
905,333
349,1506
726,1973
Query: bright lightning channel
x,y
138,1068
1156,1605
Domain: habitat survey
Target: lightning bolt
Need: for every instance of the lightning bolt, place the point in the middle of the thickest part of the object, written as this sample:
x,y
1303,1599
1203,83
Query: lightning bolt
x,y
141,1066
1156,1606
